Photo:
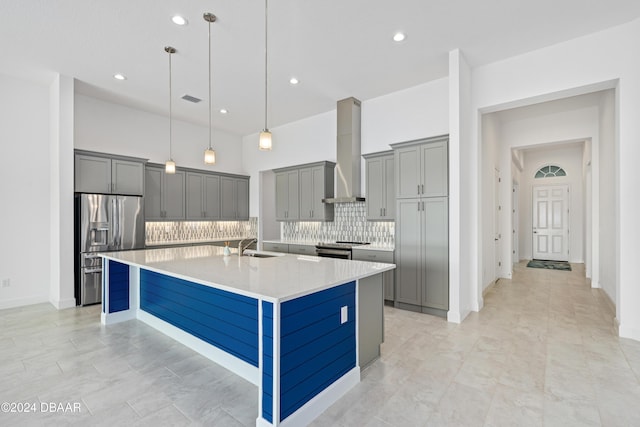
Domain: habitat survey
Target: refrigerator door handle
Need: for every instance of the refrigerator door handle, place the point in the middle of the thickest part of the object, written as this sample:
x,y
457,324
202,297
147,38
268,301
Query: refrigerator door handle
x,y
115,226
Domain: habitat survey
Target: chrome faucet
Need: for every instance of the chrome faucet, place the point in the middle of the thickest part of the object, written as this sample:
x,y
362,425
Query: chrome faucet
x,y
241,248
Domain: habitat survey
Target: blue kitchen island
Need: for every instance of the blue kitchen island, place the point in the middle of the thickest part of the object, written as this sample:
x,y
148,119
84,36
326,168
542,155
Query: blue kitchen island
x,y
292,325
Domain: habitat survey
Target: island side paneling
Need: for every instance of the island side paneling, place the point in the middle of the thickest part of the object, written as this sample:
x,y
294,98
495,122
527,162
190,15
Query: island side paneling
x,y
226,320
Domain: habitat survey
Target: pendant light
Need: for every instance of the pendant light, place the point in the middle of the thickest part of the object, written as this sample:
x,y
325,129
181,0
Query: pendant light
x,y
265,143
170,165
209,153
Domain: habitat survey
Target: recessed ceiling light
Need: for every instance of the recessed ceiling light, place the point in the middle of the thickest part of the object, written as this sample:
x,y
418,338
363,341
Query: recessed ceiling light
x,y
223,111
398,37
293,81
179,20
119,76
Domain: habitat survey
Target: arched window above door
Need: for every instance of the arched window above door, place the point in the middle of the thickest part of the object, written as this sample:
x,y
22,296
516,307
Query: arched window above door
x,y
550,171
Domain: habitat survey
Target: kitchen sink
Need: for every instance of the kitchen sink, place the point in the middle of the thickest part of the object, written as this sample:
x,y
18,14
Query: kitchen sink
x,y
261,254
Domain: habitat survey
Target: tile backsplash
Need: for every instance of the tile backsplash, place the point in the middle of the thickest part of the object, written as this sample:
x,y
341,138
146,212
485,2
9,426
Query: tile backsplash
x,y
349,224
180,231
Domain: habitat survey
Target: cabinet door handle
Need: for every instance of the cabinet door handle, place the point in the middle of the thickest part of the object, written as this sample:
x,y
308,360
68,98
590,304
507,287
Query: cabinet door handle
x,y
422,188
384,211
418,188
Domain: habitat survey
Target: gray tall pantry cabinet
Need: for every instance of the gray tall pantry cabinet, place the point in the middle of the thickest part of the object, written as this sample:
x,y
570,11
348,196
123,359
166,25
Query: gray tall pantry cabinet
x,y
422,229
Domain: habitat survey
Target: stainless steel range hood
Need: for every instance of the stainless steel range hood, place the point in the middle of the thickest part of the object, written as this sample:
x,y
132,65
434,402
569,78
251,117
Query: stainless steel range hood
x,y
348,153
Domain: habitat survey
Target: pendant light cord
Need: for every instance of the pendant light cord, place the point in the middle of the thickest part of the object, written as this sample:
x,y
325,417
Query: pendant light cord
x,y
210,92
266,2
170,110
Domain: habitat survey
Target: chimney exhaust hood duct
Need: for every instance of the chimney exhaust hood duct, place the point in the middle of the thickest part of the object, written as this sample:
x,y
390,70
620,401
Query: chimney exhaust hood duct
x,y
348,153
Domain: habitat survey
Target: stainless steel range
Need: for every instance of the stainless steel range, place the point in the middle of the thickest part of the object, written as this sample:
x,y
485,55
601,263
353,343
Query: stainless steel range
x,y
339,249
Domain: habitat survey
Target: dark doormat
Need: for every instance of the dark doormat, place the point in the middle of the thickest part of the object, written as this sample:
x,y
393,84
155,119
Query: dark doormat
x,y
551,265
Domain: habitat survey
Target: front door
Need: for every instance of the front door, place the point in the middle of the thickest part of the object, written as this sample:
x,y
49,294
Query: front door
x,y
551,222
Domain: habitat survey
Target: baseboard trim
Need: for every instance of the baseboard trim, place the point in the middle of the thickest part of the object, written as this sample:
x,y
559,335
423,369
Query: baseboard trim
x,y
490,286
607,298
21,302
64,303
627,332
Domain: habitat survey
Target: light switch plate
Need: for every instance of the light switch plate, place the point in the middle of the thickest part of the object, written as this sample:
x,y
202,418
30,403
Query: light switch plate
x,y
344,314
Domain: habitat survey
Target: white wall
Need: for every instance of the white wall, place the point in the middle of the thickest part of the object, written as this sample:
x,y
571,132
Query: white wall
x,y
401,116
61,119
490,162
606,214
578,66
112,128
24,186
570,159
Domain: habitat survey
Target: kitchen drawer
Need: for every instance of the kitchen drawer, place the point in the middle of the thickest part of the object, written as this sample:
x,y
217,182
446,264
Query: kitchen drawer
x,y
302,249
275,247
374,256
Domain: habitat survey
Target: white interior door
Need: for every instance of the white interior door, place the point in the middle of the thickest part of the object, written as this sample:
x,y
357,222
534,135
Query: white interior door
x,y
551,222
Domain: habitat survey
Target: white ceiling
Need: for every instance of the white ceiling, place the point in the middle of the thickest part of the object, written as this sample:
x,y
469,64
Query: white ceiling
x,y
336,48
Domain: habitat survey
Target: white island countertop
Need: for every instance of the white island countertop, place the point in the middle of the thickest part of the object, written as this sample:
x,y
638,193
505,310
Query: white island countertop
x,y
278,278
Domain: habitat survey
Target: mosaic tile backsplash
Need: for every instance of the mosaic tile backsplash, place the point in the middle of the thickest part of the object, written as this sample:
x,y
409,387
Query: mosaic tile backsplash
x,y
349,224
177,232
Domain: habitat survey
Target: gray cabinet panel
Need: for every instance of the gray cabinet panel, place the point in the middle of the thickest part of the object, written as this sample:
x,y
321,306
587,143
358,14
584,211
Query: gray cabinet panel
x,y
174,195
287,196
389,188
302,249
306,194
234,198
92,174
300,190
242,201
375,188
408,251
381,191
435,237
275,247
194,201
388,277
153,186
127,177
408,172
370,319
104,174
434,169
227,196
211,197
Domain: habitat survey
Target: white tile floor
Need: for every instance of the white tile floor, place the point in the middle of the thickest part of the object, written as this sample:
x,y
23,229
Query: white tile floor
x,y
541,352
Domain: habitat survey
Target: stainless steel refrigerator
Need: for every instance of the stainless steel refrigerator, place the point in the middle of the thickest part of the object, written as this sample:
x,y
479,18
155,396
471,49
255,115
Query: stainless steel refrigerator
x,y
103,223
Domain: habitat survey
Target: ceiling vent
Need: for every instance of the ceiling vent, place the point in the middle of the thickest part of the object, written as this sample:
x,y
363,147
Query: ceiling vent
x,y
190,98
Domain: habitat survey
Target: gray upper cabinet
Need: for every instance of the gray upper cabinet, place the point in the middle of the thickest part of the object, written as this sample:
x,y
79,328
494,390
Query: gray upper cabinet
x,y
287,195
422,167
211,197
316,183
202,196
195,195
105,173
300,190
380,182
164,195
234,198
